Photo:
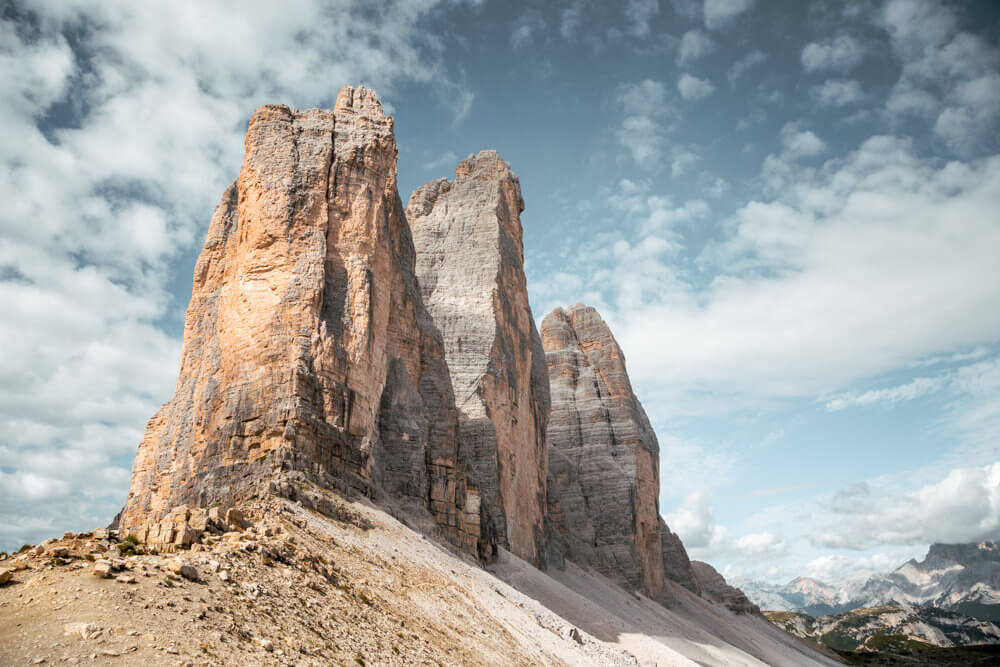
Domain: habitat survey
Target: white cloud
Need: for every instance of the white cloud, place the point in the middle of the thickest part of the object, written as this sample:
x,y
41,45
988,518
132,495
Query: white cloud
x,y
639,13
964,506
97,211
873,261
720,12
523,32
694,44
838,92
694,521
948,77
570,19
840,53
747,62
891,395
693,88
682,160
798,143
644,109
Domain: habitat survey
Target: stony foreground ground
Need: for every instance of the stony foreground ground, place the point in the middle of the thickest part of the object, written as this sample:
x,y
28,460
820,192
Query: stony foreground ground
x,y
294,587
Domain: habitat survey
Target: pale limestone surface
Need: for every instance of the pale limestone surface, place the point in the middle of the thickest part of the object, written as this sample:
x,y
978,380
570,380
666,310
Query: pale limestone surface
x,y
604,457
470,265
307,349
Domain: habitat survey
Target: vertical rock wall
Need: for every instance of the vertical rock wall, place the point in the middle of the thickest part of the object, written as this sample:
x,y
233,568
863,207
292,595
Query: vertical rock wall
x,y
603,484
470,265
306,346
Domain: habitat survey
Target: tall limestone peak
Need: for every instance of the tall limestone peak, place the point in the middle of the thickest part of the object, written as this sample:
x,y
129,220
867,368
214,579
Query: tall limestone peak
x,y
470,265
603,480
308,354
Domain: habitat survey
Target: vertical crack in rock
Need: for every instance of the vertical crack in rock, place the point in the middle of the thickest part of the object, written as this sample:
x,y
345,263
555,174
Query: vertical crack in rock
x,y
308,355
470,265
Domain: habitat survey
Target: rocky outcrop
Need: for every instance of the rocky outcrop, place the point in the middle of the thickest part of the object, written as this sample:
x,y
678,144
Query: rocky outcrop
x,y
715,589
308,355
676,564
603,454
470,265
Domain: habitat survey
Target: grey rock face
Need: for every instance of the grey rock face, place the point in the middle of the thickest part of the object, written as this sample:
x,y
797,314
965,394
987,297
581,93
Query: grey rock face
x,y
603,454
714,588
470,266
676,564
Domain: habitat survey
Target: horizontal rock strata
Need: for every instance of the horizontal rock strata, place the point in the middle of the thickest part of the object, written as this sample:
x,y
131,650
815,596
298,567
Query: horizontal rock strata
x,y
603,483
470,265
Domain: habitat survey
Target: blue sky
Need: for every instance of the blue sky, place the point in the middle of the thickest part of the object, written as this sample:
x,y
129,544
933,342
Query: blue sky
x,y
788,212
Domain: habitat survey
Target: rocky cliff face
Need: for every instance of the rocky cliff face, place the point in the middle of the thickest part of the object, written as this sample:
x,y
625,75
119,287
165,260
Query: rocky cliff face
x,y
604,457
470,265
714,587
308,353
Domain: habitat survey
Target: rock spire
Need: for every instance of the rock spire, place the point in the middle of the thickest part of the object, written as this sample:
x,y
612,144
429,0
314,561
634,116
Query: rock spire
x,y
308,354
470,265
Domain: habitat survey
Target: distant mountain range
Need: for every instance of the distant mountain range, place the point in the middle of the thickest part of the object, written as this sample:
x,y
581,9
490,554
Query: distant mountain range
x,y
963,578
869,628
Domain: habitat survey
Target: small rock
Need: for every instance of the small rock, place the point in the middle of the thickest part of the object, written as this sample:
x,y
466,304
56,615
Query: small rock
x,y
574,634
224,575
6,574
110,653
102,569
60,552
267,644
235,518
82,630
179,566
125,579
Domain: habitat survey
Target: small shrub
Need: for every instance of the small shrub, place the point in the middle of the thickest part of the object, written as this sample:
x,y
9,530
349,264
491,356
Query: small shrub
x,y
23,548
90,557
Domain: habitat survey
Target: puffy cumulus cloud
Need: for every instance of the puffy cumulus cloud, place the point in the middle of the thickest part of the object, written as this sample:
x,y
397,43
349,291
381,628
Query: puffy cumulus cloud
x,y
838,92
799,143
718,13
870,262
840,53
122,127
694,521
694,44
948,76
639,13
693,88
964,506
645,110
